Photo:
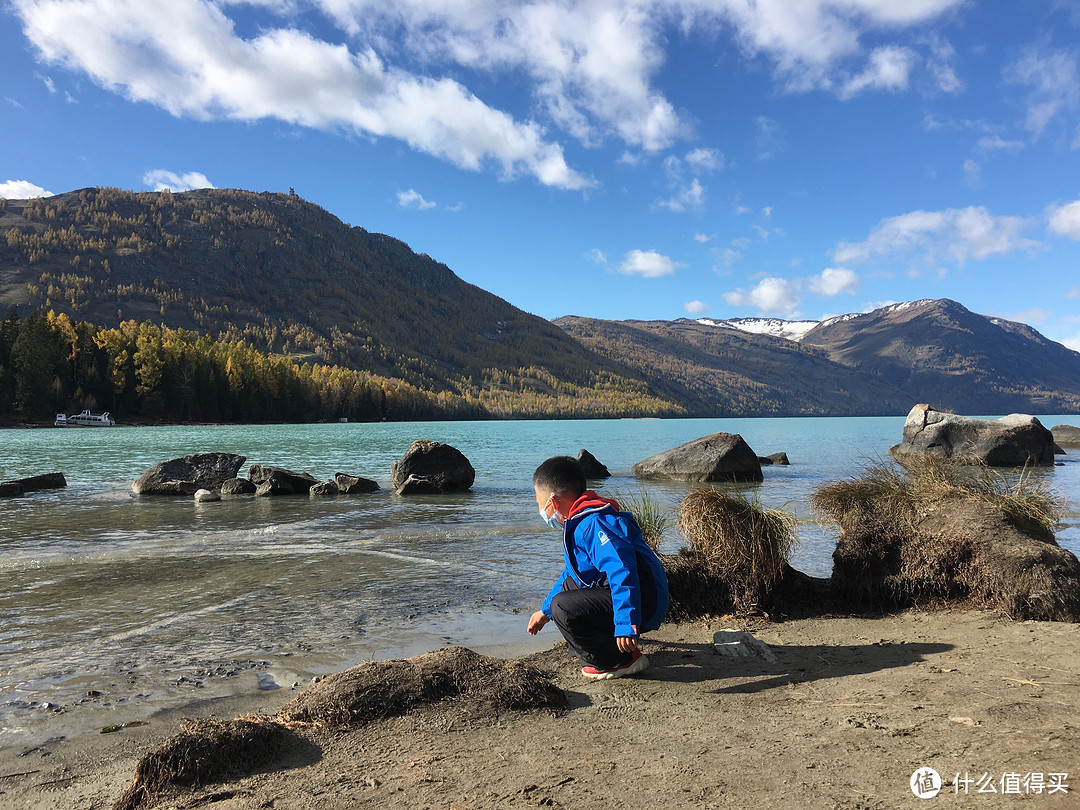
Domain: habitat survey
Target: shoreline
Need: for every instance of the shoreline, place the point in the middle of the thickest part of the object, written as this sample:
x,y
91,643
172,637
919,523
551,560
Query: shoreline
x,y
850,708
492,632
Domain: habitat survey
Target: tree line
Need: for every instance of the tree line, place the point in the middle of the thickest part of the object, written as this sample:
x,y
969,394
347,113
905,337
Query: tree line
x,y
142,372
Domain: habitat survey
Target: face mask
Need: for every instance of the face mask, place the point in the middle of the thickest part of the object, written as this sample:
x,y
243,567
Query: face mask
x,y
555,521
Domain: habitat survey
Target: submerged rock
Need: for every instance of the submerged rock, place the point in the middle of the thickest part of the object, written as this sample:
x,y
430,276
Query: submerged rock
x,y
716,457
272,480
431,468
238,486
354,484
1011,441
183,476
779,459
323,489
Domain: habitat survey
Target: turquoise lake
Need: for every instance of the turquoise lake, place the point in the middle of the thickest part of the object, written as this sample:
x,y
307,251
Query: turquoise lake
x,y
117,605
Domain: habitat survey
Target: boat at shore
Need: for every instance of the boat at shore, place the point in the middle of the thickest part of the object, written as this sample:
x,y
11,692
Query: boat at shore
x,y
84,419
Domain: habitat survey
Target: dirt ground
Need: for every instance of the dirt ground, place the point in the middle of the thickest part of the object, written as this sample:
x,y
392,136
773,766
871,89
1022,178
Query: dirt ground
x,y
848,712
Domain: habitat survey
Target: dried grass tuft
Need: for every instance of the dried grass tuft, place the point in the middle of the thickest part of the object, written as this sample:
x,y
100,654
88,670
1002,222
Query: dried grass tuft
x,y
735,541
203,751
377,689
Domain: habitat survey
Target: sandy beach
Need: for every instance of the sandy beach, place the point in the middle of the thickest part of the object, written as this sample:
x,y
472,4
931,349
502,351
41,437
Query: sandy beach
x,y
843,717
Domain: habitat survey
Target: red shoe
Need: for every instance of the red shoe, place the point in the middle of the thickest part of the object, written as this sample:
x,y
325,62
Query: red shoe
x,y
637,663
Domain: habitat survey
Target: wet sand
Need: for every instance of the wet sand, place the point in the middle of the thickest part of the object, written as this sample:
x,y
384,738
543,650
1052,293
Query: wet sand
x,y
842,718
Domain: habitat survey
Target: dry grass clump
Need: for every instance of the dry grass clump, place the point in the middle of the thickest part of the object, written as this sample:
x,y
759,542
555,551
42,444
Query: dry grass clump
x,y
206,750
203,751
892,494
932,532
377,689
732,542
650,516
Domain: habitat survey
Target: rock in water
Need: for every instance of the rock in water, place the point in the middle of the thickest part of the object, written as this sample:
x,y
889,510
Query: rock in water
x,y
279,481
779,459
1066,436
431,468
1011,441
594,470
11,489
183,476
717,457
323,489
206,496
354,484
238,486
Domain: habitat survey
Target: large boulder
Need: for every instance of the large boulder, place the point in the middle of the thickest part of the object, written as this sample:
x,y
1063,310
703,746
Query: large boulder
x,y
431,468
1066,436
594,470
354,484
270,480
1011,441
183,476
716,457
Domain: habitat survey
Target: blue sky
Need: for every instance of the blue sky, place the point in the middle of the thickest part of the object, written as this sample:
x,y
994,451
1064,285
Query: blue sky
x,y
609,158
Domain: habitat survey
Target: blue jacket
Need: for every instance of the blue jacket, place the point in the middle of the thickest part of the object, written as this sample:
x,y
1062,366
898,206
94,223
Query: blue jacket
x,y
603,546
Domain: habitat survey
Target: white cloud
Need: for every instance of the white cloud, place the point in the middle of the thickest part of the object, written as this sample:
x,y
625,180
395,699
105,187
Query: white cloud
x,y
995,143
940,63
414,199
696,307
1065,220
50,85
596,256
1052,80
1072,342
1033,316
771,296
648,263
161,179
390,69
21,190
1073,293
769,139
807,39
972,173
690,197
833,281
702,238
705,160
187,58
955,234
887,69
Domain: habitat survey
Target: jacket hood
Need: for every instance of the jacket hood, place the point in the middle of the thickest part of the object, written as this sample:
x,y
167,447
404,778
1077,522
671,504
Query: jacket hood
x,y
590,501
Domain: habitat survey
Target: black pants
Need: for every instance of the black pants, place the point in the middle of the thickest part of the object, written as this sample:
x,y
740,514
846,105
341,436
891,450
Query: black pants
x,y
586,619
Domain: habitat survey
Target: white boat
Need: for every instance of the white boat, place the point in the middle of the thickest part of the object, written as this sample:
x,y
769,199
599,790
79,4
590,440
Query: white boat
x,y
85,419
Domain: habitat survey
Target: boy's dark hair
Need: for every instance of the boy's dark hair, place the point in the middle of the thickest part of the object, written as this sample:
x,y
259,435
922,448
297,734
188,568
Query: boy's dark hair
x,y
561,475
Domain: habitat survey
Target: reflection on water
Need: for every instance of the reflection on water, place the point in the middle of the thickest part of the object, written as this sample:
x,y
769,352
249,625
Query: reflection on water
x,y
146,600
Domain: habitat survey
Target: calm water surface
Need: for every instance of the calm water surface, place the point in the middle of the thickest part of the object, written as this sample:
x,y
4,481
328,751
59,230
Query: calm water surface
x,y
152,601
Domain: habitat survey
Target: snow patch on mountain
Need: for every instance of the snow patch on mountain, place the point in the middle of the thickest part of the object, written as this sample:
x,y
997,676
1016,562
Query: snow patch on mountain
x,y
776,327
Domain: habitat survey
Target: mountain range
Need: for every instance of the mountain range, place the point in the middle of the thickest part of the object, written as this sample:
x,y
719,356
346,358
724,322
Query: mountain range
x,y
291,279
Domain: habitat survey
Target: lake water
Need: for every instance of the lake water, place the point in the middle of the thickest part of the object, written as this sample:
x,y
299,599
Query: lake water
x,y
119,605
